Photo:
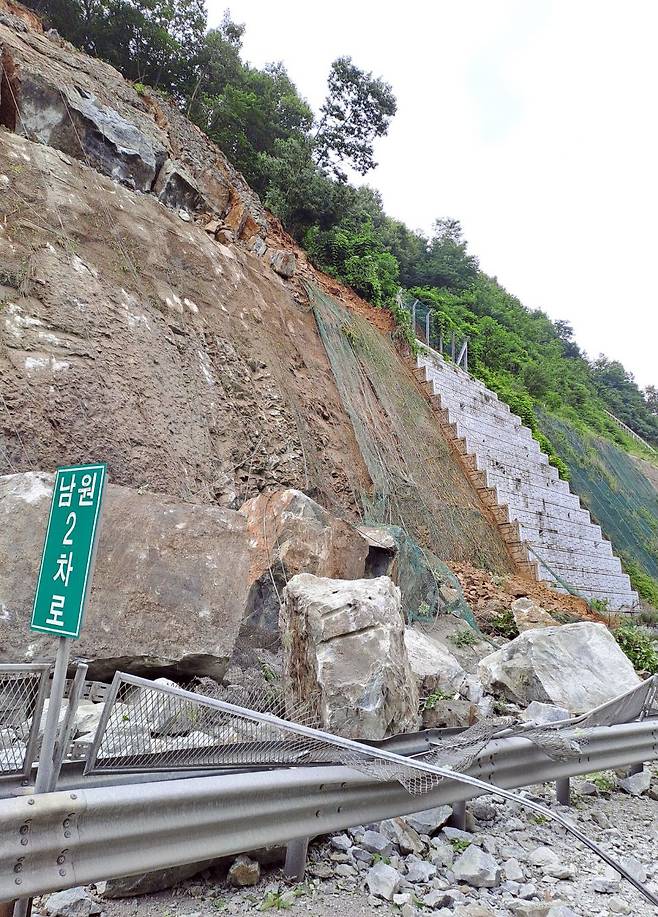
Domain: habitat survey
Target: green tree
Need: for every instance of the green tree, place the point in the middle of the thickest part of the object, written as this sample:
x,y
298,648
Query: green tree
x,y
357,110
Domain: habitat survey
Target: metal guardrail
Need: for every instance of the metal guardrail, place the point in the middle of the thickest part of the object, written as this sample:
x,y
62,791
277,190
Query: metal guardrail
x,y
631,433
53,841
23,690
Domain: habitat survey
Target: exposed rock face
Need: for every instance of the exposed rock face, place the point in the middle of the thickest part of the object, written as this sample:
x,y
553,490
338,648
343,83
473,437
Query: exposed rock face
x,y
56,95
432,663
528,615
170,582
175,354
576,666
344,652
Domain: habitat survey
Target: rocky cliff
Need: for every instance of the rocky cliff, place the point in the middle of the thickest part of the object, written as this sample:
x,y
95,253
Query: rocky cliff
x,y
154,316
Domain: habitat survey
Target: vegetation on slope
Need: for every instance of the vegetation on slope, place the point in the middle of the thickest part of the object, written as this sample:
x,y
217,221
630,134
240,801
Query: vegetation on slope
x,y
298,163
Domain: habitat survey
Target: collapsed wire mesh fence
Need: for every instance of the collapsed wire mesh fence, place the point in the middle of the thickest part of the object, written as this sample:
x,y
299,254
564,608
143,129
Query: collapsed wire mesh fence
x,y
250,737
22,694
145,724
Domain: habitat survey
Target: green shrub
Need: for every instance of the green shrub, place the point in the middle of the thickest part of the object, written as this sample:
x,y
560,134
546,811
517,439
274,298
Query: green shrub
x,y
504,625
639,647
465,637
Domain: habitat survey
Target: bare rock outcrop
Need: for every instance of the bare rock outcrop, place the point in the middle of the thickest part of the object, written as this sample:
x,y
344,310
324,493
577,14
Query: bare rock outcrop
x,y
576,666
169,590
344,654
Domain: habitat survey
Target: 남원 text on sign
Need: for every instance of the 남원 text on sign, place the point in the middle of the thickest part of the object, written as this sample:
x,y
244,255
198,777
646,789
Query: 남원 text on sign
x,y
68,552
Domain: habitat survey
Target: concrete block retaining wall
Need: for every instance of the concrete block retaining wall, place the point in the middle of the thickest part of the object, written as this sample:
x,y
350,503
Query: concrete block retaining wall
x,y
534,508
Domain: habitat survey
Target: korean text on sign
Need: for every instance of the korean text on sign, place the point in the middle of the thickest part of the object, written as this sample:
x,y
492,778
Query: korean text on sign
x,y
68,552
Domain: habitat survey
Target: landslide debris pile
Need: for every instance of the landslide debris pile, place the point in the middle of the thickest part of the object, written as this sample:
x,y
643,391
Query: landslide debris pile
x,y
153,316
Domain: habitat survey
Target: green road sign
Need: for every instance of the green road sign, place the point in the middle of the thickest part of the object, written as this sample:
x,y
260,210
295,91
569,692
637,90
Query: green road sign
x,y
68,553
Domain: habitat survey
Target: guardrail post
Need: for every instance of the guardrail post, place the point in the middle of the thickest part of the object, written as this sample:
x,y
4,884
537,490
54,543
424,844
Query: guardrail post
x,y
458,817
296,853
6,908
563,791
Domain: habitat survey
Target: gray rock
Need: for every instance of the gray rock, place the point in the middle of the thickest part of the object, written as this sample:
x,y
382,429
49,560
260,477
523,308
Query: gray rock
x,y
345,871
561,910
402,835
170,584
383,881
543,856
587,788
483,809
592,668
529,615
243,871
102,137
636,784
429,821
361,855
258,246
560,871
533,908
617,905
284,263
343,647
341,842
72,902
430,659
420,871
514,824
456,834
606,886
176,188
527,890
544,713
441,853
633,867
477,868
374,842
149,882
513,870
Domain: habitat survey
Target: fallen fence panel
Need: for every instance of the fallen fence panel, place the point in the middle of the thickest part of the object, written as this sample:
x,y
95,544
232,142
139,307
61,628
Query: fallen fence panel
x,y
56,840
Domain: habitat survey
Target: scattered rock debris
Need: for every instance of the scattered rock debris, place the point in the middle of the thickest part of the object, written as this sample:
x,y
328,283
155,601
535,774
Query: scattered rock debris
x,y
508,864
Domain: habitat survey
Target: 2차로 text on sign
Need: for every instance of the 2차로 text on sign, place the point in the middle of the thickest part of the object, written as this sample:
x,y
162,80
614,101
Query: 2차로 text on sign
x,y
68,553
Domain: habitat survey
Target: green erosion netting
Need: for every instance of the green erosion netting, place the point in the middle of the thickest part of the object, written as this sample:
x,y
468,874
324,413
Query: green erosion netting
x,y
418,483
427,585
612,487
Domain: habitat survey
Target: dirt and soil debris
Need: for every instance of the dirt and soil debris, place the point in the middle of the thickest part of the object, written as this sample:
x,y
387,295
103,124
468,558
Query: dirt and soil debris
x,y
490,594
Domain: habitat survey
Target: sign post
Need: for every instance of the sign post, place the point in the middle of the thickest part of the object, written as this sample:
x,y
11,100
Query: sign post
x,y
64,582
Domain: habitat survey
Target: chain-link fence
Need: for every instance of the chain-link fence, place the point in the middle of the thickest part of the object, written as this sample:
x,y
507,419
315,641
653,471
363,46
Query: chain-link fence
x,y
429,330
22,695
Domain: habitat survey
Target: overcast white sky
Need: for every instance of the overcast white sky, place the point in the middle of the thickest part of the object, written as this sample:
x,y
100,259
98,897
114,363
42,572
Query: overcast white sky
x,y
531,121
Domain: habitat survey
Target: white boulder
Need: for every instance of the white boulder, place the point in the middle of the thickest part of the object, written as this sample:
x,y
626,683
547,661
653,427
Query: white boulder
x,y
344,655
575,666
432,661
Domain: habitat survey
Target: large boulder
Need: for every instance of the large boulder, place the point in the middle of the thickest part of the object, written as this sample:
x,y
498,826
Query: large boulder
x,y
170,583
433,664
290,533
344,654
576,666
